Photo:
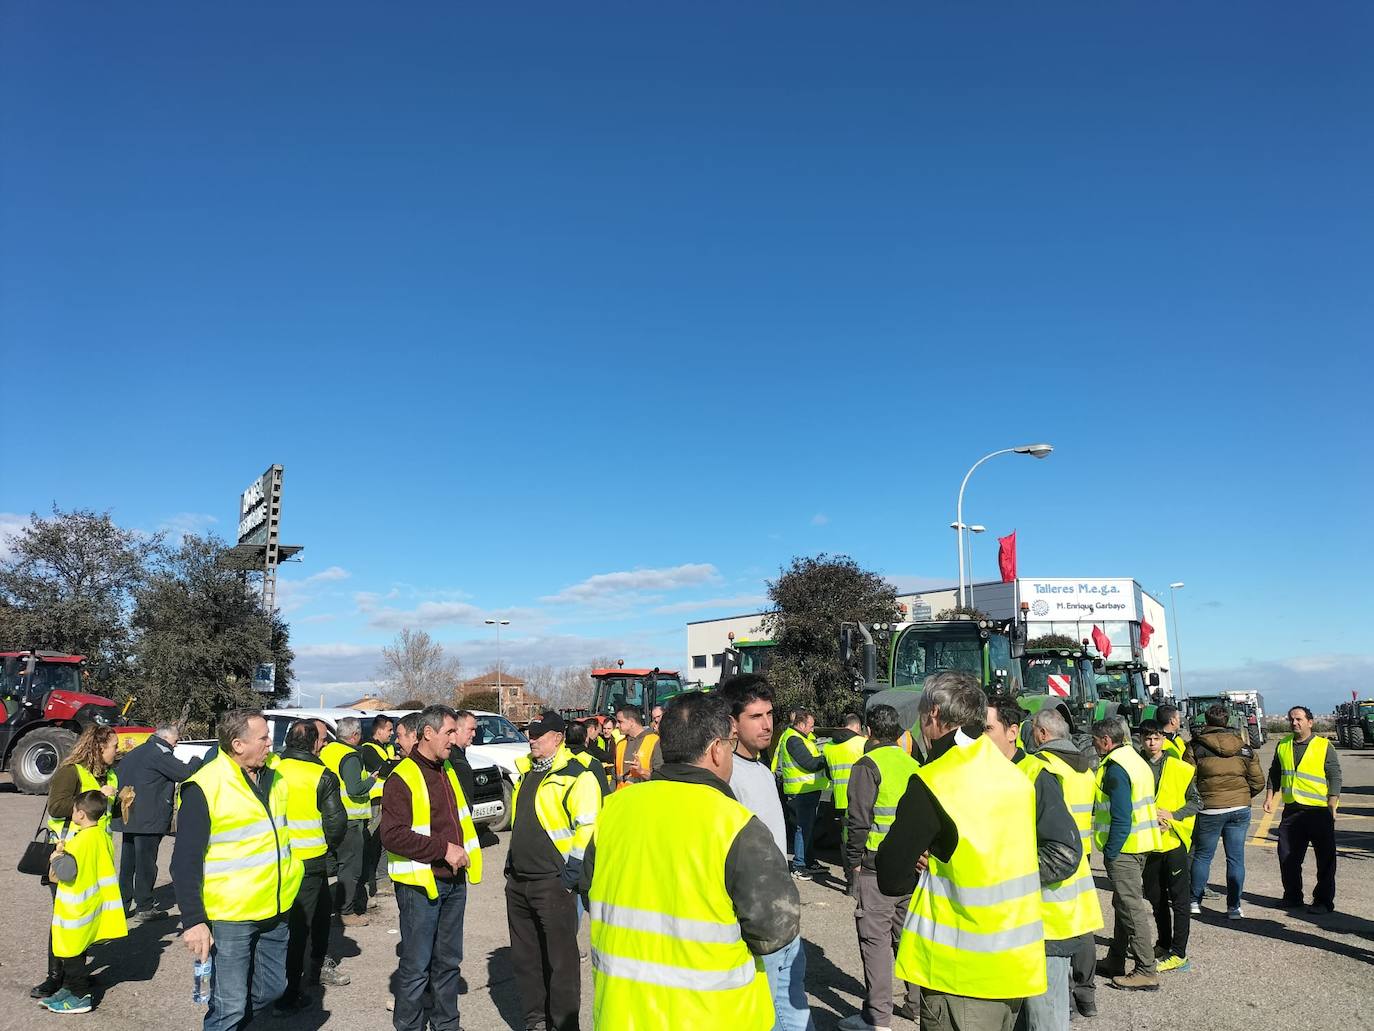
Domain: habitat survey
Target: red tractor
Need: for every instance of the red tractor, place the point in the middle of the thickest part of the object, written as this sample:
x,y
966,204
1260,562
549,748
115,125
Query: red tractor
x,y
44,710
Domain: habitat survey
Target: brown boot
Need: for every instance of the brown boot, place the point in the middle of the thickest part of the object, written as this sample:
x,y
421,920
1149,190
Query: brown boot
x,y
1137,981
355,920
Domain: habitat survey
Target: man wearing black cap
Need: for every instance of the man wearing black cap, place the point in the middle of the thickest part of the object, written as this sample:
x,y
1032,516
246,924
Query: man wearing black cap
x,y
553,812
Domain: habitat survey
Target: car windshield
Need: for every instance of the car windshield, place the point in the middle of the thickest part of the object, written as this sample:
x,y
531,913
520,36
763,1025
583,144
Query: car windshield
x,y
923,652
497,730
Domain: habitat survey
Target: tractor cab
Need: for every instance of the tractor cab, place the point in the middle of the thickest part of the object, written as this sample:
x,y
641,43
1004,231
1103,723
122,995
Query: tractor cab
x,y
1063,679
1125,686
618,686
745,656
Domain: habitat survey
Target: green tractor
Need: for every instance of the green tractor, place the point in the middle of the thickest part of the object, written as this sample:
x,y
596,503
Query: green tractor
x,y
1062,678
1355,724
1240,716
745,656
1125,689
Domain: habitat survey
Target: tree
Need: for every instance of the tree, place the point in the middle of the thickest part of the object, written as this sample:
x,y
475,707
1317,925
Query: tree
x,y
201,632
482,700
68,586
414,666
811,599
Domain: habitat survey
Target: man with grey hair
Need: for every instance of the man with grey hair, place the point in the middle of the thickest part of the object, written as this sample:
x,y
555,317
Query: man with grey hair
x,y
973,938
343,759
1126,831
150,773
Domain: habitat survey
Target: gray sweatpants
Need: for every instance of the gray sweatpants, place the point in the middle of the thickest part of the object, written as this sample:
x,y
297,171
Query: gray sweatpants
x,y
1135,922
878,920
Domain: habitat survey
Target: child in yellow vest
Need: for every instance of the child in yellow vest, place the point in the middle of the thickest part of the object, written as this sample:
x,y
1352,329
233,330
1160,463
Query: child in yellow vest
x,y
87,907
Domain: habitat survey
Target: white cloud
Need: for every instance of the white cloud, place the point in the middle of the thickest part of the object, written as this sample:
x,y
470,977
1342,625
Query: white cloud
x,y
612,588
186,524
426,614
737,604
294,594
820,519
10,525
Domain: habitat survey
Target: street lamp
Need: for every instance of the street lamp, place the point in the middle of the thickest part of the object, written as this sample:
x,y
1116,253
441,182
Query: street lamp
x,y
1178,648
968,543
500,696
1034,450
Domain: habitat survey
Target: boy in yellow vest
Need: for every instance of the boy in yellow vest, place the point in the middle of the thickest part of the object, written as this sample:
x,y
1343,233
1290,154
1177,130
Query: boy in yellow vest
x,y
87,907
1168,872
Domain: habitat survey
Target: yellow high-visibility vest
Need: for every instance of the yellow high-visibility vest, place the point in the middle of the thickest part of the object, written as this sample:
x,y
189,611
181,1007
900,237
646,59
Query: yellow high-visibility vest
x,y
566,802
974,927
421,875
1304,784
840,759
1173,796
387,753
303,819
795,780
88,782
333,755
895,768
645,754
250,871
89,909
1144,836
1071,907
666,944
1174,745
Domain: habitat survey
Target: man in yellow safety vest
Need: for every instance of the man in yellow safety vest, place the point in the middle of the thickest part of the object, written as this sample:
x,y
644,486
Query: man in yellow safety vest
x,y
841,753
378,756
1307,774
1168,872
1126,831
1170,721
678,945
432,857
1068,896
798,763
973,938
234,873
637,751
342,757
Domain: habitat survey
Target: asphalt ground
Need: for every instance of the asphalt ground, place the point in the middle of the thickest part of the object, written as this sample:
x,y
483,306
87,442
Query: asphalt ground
x,y
1273,969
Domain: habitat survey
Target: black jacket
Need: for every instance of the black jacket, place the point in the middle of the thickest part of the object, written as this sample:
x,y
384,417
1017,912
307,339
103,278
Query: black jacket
x,y
154,772
333,815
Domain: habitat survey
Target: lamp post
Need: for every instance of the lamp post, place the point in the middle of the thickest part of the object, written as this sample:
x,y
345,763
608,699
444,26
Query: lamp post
x,y
500,695
1034,450
968,544
1178,648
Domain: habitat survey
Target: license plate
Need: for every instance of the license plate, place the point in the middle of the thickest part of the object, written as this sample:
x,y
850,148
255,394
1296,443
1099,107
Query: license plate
x,y
486,809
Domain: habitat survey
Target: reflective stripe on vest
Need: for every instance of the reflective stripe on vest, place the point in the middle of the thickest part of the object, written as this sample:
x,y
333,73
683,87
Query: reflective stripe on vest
x,y
303,820
895,768
974,926
88,909
1172,794
1071,907
421,875
333,755
840,759
566,802
645,755
250,871
86,782
1305,785
387,753
1144,835
666,944
795,780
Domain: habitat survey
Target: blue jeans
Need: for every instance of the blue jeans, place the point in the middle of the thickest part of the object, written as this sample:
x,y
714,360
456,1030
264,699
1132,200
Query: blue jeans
x,y
1050,1010
803,811
431,951
248,955
1232,829
786,970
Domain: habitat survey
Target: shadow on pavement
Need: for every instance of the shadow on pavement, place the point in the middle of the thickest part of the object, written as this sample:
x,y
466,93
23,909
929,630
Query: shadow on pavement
x,y
824,982
501,984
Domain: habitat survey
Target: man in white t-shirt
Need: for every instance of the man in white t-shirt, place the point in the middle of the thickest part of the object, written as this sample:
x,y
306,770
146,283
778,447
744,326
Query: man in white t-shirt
x,y
754,786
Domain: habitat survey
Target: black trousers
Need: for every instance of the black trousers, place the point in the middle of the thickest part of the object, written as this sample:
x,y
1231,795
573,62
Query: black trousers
x,y
76,977
1168,888
310,915
347,897
138,868
372,855
1300,826
542,915
1083,968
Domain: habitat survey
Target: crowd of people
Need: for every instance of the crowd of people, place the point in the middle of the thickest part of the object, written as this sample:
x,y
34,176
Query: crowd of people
x,y
964,842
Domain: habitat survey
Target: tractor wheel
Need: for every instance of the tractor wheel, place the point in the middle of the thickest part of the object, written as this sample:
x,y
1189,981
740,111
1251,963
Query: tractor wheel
x,y
1340,736
37,756
1359,737
1256,739
508,798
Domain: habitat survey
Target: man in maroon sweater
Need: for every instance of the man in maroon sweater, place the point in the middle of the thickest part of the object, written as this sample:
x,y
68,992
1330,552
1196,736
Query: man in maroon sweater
x,y
431,928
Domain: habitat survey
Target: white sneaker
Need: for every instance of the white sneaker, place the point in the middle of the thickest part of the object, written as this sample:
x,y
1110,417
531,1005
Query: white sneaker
x,y
1235,913
856,1022
1195,909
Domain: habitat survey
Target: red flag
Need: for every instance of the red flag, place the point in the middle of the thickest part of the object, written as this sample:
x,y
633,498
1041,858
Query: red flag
x,y
1146,632
1101,642
1006,556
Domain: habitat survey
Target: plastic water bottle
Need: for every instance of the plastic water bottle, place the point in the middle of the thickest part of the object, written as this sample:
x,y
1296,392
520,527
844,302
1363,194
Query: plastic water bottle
x,y
201,971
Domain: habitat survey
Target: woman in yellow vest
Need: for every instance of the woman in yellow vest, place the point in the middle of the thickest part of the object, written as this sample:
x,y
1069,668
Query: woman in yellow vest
x,y
1168,872
86,905
87,767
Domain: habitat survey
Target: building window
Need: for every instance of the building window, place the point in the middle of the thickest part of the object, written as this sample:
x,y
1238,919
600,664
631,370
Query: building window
x,y
718,660
698,661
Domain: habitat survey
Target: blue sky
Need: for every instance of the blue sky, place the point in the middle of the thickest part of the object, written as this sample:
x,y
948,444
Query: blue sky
x,y
594,316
